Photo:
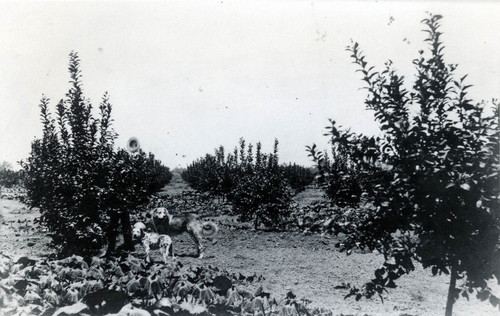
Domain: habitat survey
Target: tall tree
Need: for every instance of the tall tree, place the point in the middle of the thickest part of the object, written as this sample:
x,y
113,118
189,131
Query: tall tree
x,y
440,204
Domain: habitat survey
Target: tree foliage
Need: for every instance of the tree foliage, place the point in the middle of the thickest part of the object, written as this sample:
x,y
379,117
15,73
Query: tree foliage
x,y
352,169
218,174
299,177
256,185
440,204
261,191
82,186
9,177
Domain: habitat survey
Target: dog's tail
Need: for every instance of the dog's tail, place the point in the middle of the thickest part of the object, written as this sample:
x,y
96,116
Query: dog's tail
x,y
209,229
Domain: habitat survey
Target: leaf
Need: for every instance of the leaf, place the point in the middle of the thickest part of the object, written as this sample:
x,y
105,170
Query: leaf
x,y
222,283
465,294
25,261
390,284
163,302
233,297
342,286
483,295
32,297
465,186
74,309
203,293
105,301
434,270
494,300
21,285
379,273
193,308
260,292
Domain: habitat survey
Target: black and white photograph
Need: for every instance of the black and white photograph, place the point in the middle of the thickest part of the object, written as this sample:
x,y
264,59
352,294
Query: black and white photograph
x,y
256,158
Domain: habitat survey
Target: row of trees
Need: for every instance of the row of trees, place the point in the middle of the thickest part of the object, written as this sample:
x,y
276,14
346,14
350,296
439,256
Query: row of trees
x,y
9,177
82,185
259,188
218,174
431,183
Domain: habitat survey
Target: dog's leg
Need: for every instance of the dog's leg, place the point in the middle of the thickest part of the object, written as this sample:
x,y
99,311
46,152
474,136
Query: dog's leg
x,y
166,246
171,250
145,243
165,253
197,238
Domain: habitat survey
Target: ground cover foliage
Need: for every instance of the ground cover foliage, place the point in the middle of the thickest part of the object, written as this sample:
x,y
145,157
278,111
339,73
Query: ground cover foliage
x,y
127,286
83,186
430,184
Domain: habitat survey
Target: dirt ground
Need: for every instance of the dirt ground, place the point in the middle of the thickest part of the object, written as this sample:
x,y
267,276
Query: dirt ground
x,y
19,233
311,267
308,265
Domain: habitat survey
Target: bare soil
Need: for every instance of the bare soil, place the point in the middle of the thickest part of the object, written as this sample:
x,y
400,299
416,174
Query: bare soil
x,y
309,265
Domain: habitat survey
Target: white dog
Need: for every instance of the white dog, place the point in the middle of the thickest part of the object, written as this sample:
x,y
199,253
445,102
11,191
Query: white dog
x,y
153,241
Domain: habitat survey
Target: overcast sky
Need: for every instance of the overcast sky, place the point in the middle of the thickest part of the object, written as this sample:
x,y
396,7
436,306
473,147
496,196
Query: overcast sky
x,y
187,76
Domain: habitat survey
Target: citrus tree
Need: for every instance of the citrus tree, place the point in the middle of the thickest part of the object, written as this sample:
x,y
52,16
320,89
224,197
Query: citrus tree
x,y
257,186
84,187
437,202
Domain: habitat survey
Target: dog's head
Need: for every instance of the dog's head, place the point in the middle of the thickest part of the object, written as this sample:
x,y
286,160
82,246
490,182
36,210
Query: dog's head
x,y
160,213
137,230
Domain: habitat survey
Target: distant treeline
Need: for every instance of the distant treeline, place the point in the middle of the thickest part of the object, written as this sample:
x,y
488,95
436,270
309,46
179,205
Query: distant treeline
x,y
9,177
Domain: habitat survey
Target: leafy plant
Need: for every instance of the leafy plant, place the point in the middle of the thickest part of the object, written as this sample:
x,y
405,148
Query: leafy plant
x,y
263,197
440,203
83,187
96,286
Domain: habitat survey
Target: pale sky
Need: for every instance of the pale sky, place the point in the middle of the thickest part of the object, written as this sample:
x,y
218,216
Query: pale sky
x,y
187,76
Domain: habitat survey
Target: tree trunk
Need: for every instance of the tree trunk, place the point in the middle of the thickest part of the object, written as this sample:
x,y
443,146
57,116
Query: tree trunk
x,y
112,232
126,230
451,292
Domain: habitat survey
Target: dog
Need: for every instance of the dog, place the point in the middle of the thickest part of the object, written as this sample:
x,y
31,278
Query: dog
x,y
153,241
166,223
